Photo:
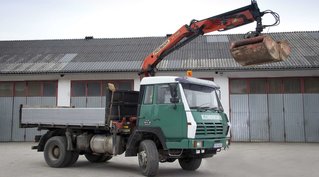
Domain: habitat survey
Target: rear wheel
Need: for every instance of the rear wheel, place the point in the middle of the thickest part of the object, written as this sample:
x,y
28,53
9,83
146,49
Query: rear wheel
x,y
55,152
148,158
190,164
97,158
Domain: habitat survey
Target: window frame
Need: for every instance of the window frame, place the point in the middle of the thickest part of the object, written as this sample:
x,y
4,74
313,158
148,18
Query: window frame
x,y
267,85
101,83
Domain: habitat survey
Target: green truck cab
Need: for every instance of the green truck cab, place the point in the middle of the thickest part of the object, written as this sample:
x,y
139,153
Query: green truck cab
x,y
184,118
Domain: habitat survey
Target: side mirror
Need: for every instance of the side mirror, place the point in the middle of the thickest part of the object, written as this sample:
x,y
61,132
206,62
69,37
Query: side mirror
x,y
174,95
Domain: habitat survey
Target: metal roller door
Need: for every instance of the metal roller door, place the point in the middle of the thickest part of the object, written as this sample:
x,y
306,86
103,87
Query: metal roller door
x,y
239,118
294,119
258,116
311,112
276,118
18,134
287,111
5,118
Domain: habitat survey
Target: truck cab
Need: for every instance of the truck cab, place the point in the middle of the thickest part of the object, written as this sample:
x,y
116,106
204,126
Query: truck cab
x,y
184,118
187,111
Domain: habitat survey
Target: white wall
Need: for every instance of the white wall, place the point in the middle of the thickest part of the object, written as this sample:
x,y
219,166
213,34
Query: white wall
x,y
64,92
137,82
222,81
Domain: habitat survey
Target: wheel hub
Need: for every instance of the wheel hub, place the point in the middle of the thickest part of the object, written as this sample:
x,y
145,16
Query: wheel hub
x,y
143,158
56,152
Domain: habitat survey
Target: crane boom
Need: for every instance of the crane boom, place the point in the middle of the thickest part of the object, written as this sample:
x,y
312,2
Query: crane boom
x,y
187,33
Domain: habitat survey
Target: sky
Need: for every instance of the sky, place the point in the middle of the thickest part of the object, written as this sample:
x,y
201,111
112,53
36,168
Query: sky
x,y
75,19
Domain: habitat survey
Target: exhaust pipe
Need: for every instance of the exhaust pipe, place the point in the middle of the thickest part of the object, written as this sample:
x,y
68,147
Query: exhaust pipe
x,y
259,50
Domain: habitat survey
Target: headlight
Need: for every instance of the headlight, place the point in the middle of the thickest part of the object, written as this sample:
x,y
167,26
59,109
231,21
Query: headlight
x,y
197,144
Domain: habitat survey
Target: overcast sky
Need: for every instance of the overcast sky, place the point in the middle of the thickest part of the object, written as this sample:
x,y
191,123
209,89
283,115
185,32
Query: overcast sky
x,y
69,19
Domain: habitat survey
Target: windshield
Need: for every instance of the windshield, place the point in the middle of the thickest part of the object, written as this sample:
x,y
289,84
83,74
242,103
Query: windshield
x,y
200,96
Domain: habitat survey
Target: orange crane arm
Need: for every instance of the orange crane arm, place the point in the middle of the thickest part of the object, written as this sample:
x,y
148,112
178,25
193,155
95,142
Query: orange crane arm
x,y
186,33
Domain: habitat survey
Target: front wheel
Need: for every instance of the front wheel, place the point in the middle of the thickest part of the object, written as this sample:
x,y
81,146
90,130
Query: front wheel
x,y
190,164
148,158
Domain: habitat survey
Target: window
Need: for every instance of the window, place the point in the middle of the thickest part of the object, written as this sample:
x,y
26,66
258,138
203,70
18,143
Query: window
x,y
119,85
257,86
20,89
94,89
311,85
34,88
6,89
238,86
78,89
292,85
163,94
126,85
49,89
275,86
148,96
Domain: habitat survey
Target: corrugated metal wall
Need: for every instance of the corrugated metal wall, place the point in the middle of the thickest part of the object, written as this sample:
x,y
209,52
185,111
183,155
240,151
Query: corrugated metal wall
x,y
239,117
9,116
18,134
87,102
6,118
258,116
78,102
294,119
275,117
311,112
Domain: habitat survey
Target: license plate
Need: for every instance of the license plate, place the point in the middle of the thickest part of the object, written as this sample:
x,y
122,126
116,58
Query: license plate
x,y
218,145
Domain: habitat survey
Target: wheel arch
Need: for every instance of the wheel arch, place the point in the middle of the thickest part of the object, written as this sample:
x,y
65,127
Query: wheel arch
x,y
145,133
44,138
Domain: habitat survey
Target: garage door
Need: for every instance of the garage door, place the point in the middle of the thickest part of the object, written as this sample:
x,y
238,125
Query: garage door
x,y
278,109
12,95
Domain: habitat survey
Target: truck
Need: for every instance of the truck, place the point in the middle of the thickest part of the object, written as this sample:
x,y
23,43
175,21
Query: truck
x,y
170,117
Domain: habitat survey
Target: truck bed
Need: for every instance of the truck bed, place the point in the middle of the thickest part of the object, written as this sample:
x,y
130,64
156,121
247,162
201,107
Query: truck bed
x,y
122,104
61,116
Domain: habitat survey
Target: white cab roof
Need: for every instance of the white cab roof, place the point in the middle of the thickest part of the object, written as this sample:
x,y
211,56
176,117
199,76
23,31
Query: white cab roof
x,y
175,79
158,80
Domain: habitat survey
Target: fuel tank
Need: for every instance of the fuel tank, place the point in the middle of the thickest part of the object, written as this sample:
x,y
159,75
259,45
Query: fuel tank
x,y
259,50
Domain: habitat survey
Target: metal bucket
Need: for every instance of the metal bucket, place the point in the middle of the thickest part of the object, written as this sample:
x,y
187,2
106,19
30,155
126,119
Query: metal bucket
x,y
259,50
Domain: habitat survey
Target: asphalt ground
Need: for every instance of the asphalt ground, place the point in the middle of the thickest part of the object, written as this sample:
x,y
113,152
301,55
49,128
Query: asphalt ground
x,y
240,160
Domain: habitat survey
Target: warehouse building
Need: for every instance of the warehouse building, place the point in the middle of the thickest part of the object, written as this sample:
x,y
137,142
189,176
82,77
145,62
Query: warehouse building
x,y
275,102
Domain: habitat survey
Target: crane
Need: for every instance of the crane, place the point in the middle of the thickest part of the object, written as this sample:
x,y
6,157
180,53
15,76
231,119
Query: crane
x,y
254,49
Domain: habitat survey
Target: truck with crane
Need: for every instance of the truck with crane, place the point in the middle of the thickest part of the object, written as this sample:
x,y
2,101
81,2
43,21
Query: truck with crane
x,y
170,118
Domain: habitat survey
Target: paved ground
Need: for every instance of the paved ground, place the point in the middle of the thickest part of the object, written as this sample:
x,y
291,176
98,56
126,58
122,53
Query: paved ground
x,y
241,160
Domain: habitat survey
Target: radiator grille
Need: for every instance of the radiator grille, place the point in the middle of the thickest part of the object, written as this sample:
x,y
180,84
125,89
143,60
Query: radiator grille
x,y
209,129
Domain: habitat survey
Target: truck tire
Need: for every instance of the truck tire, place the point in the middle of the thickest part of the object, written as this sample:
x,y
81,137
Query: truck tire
x,y
190,164
55,152
97,158
148,158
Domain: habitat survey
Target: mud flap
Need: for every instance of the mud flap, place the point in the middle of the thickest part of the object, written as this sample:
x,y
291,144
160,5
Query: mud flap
x,y
259,50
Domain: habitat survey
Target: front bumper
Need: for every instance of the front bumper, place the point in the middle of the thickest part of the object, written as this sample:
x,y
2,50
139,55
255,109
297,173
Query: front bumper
x,y
217,143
